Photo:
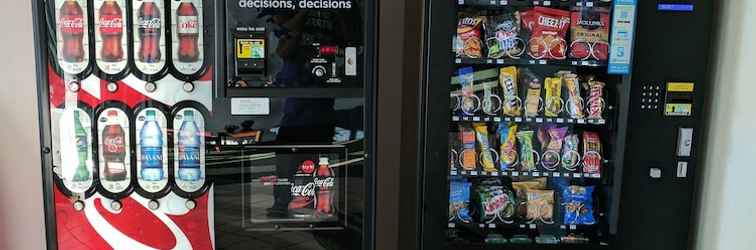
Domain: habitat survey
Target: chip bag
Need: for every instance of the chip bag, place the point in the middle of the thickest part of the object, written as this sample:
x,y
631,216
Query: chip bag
x,y
548,28
596,101
570,155
459,200
496,202
502,35
540,206
577,204
469,34
467,156
551,154
532,84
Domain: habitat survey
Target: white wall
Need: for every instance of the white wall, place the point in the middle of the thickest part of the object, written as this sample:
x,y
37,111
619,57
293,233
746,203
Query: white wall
x,y
728,207
21,212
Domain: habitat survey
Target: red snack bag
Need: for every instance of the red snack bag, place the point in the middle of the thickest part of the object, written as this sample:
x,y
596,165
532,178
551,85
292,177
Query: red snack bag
x,y
469,36
548,28
591,153
590,33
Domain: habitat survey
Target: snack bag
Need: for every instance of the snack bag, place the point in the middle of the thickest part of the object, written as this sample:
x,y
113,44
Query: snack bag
x,y
554,103
527,151
470,102
454,145
469,33
533,101
540,206
459,200
468,156
577,204
590,33
487,153
512,104
596,99
548,29
521,193
508,147
570,155
496,202
550,157
502,35
591,153
574,101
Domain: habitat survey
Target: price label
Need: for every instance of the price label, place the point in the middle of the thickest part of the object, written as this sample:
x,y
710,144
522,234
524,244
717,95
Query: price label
x,y
473,173
525,174
573,227
493,2
466,118
454,172
481,225
539,120
532,226
458,60
536,174
485,119
504,174
585,63
503,2
452,225
570,120
476,118
489,61
560,120
494,173
528,119
555,174
518,119
589,4
491,225
576,175
601,121
455,118
581,121
501,61
463,173
549,120
596,175
532,61
507,119
497,119
542,62
546,3
536,3
515,173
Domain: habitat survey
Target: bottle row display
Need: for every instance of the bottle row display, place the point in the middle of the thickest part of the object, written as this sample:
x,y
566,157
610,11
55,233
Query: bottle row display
x,y
116,153
526,150
579,33
156,34
516,92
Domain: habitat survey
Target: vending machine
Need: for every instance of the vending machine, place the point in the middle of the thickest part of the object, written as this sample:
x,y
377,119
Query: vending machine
x,y
572,124
202,124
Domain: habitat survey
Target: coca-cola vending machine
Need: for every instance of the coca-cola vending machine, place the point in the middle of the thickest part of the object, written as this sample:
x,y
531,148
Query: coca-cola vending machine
x,y
201,124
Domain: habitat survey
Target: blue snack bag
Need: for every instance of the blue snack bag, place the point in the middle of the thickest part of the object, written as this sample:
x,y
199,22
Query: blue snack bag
x,y
577,204
459,200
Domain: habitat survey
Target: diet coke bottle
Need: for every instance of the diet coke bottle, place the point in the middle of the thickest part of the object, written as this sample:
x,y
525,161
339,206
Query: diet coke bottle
x,y
72,30
303,188
324,181
187,26
111,31
114,149
150,25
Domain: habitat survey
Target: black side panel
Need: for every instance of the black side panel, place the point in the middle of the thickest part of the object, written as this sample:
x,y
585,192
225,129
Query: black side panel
x,y
670,47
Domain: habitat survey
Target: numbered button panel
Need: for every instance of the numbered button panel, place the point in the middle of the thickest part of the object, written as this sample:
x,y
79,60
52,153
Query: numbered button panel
x,y
651,97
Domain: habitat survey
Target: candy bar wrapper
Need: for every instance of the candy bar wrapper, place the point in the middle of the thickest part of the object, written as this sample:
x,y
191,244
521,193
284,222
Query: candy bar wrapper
x,y
570,155
574,101
554,103
540,205
590,33
459,200
542,133
468,155
508,145
487,159
550,156
469,34
595,99
591,153
533,86
508,81
501,34
527,160
577,204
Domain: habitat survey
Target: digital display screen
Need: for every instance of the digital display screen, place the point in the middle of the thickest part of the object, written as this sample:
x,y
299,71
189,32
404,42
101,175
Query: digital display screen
x,y
250,49
675,7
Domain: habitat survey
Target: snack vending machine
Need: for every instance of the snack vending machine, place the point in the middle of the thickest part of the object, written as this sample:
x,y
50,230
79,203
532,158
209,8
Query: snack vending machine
x,y
202,124
572,124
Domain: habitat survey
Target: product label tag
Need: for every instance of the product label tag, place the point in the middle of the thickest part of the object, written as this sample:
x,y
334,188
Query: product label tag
x,y
623,32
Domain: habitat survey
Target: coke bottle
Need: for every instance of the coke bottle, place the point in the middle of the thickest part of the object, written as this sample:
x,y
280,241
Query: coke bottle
x,y
189,149
303,188
82,149
72,30
114,149
150,26
324,181
187,25
111,31
151,142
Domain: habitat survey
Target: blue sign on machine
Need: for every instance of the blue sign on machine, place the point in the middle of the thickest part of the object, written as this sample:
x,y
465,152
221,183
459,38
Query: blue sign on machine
x,y
623,35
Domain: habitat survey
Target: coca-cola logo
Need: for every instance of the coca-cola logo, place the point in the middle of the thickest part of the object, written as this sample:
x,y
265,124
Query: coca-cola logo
x,y
111,24
307,190
188,24
324,183
72,24
113,144
150,23
307,167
